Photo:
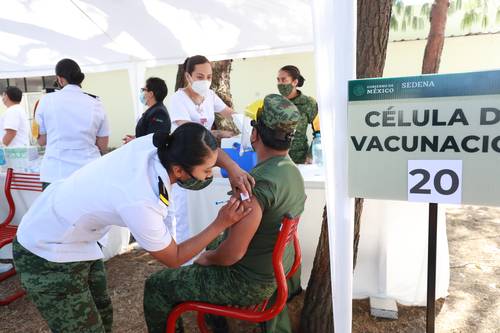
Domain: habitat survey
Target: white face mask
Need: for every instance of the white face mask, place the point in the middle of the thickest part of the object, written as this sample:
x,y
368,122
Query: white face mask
x,y
201,87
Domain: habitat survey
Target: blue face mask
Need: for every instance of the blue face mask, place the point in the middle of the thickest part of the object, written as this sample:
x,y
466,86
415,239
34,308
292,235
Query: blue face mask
x,y
142,98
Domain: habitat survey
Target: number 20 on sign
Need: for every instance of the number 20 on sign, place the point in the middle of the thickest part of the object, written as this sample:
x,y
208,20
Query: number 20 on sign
x,y
438,181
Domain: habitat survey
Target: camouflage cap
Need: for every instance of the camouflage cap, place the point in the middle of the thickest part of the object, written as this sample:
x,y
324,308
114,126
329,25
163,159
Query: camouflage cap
x,y
278,113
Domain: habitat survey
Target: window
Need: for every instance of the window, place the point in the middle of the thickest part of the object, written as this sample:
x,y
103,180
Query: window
x,y
48,81
34,84
18,82
3,85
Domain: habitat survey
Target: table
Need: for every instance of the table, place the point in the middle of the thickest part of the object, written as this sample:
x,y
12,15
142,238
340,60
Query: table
x,y
118,237
392,257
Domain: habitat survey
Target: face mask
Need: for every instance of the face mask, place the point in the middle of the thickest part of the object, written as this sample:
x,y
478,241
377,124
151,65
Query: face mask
x,y
201,87
285,89
142,97
194,184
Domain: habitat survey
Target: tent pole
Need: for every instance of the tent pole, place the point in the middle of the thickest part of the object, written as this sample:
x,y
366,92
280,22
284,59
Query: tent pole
x,y
136,76
334,24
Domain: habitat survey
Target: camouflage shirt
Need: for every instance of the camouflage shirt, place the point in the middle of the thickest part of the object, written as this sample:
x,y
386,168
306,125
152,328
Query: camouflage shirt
x,y
308,109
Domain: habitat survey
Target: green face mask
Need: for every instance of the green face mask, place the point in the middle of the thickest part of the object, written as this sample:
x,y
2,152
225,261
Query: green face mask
x,y
285,89
194,184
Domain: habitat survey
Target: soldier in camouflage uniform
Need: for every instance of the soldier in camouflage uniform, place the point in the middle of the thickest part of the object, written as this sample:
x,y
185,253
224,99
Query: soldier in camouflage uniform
x,y
79,286
289,78
239,270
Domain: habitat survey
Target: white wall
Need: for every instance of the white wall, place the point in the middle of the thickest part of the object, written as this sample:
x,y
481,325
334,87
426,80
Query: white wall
x,y
254,78
460,54
113,89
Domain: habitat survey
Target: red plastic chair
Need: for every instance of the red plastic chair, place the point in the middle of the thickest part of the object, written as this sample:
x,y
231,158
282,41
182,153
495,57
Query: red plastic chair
x,y
22,182
257,313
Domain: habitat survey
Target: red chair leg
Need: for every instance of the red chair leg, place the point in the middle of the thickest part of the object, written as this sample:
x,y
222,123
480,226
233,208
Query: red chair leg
x,y
14,296
202,325
8,274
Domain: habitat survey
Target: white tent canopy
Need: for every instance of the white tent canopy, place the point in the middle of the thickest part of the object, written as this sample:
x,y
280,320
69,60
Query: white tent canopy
x,y
107,35
135,34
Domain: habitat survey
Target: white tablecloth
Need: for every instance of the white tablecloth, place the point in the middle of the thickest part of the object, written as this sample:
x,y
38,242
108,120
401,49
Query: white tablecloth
x,y
118,237
392,257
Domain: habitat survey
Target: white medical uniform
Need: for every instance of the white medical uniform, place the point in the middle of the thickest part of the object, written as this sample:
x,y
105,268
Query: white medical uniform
x,y
121,188
72,120
15,118
183,108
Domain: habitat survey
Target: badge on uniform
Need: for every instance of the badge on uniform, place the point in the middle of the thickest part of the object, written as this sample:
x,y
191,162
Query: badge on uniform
x,y
163,192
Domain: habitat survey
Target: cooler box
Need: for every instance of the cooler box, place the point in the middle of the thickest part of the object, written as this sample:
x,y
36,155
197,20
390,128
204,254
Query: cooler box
x,y
247,161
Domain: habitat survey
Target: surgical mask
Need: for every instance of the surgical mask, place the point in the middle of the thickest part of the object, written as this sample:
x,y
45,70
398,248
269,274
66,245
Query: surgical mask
x,y
201,87
142,97
285,89
194,184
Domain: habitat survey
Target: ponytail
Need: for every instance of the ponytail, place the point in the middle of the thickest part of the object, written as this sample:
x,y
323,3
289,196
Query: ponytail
x,y
69,69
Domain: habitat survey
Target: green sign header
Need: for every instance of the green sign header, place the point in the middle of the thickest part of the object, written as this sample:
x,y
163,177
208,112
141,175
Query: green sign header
x,y
437,85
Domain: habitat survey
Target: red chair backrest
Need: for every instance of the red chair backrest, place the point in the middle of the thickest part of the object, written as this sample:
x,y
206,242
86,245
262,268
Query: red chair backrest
x,y
287,234
19,181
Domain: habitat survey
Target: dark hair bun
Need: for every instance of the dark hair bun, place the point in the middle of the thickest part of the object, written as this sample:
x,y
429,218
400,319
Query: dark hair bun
x,y
77,77
301,81
161,139
69,69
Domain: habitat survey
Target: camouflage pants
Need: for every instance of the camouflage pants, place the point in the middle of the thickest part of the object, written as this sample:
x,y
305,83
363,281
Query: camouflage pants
x,y
281,323
71,297
213,284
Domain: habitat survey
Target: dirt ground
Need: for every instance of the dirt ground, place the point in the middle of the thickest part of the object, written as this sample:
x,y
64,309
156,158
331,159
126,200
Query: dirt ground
x,y
473,304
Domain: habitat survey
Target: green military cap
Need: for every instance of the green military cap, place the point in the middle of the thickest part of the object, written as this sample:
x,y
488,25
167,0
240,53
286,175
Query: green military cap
x,y
279,114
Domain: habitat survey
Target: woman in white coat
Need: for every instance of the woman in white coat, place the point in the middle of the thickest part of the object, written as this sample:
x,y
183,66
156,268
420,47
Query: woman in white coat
x,y
73,125
197,103
56,251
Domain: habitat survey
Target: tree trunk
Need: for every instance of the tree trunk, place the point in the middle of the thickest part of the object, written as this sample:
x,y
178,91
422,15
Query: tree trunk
x,y
373,34
221,74
372,38
221,85
316,314
435,40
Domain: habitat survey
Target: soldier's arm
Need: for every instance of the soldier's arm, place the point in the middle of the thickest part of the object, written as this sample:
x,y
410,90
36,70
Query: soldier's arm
x,y
234,247
175,255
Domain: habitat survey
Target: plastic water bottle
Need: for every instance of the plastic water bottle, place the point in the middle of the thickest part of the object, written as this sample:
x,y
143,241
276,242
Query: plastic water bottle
x,y
317,150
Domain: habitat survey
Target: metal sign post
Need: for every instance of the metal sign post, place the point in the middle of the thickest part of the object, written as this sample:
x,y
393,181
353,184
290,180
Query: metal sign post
x,y
431,268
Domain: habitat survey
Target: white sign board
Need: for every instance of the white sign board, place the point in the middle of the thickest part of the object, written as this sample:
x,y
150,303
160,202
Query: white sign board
x,y
418,138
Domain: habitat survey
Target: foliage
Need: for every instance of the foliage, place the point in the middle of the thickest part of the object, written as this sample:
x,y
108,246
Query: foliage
x,y
472,13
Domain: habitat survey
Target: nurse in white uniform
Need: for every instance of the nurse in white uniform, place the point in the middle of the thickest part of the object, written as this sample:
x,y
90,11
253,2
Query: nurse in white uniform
x,y
73,125
56,251
194,103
